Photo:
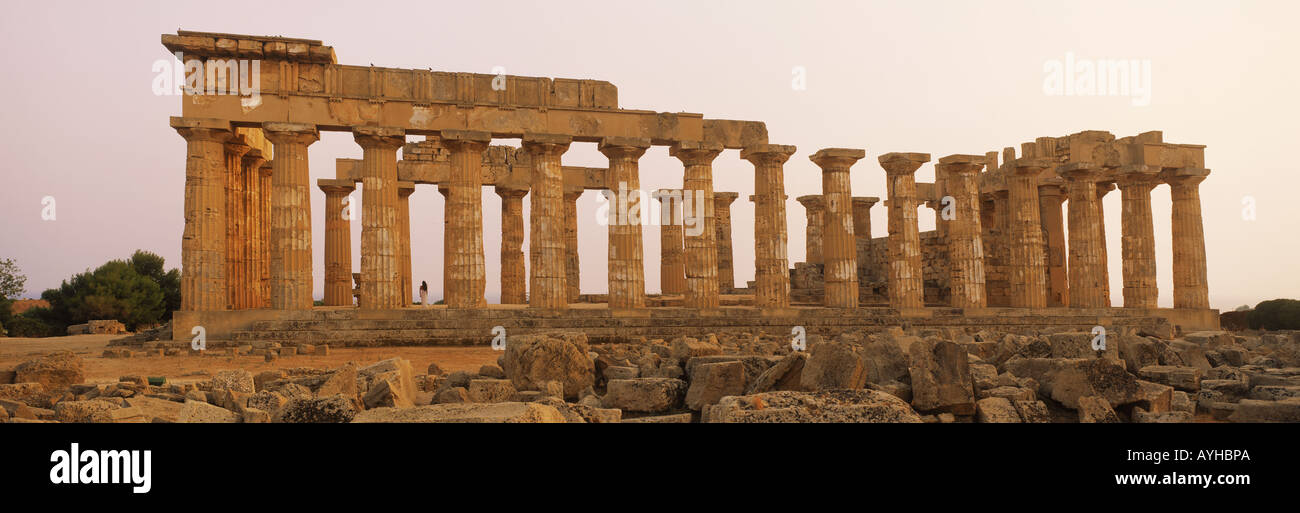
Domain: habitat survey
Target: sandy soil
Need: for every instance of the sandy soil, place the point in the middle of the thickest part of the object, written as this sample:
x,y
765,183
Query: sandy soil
x,y
185,368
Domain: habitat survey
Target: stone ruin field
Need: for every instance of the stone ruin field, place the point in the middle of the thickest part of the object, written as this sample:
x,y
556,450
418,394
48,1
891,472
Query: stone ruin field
x,y
945,375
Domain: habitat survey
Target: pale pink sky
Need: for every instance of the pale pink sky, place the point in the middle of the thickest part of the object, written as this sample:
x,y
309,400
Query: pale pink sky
x,y
81,123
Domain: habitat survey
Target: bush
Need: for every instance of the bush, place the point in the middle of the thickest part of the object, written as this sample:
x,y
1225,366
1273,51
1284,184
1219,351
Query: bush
x,y
1276,314
31,325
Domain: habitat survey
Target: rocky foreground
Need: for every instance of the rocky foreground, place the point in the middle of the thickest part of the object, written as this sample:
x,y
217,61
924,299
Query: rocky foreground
x,y
886,375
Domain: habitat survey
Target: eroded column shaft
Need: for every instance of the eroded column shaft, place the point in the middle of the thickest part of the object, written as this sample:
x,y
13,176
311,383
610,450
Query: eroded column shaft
x,y
1028,269
513,279
626,261
1086,289
572,271
381,247
1137,243
547,246
905,278
771,259
203,243
1191,289
464,276
965,240
291,275
338,243
672,252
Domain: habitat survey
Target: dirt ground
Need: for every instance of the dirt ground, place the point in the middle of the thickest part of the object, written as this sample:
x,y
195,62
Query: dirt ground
x,y
187,368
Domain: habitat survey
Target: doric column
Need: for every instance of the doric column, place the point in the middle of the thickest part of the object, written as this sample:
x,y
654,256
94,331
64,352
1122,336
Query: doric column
x,y
1138,239
572,271
513,279
546,244
1028,266
203,244
862,233
771,259
291,276
701,235
1191,289
905,281
338,241
381,248
626,258
251,293
264,236
965,241
722,220
815,211
464,275
839,250
1050,198
235,148
1102,189
445,191
1086,289
672,252
404,192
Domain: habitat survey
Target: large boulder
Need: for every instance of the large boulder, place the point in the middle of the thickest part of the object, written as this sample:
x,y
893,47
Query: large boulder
x,y
941,379
388,393
786,374
491,391
685,348
1065,380
54,371
465,413
711,382
200,412
838,406
156,410
1095,409
84,411
397,370
996,410
833,365
530,360
237,380
645,395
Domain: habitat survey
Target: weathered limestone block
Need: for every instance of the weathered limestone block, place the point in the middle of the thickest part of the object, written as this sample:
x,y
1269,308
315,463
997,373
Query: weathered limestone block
x,y
1066,380
1183,378
238,380
684,348
1096,410
530,360
201,412
1251,410
710,382
996,410
52,372
838,406
786,374
508,413
1141,416
93,411
648,395
491,390
941,379
388,393
833,365
1033,412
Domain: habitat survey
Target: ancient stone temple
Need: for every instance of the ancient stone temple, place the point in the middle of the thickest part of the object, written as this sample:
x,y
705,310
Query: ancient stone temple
x,y
998,256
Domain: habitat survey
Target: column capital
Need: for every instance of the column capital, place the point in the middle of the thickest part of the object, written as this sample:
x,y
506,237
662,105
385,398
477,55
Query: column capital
x,y
623,147
963,164
1185,176
1030,166
1051,189
254,158
1137,175
466,139
770,154
237,147
1079,171
835,158
203,129
812,201
405,189
725,198
379,137
865,201
902,163
695,153
542,144
572,194
1103,188
266,168
334,186
290,133
507,193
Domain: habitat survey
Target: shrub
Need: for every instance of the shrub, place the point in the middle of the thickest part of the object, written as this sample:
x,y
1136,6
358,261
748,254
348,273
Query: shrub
x,y
1276,314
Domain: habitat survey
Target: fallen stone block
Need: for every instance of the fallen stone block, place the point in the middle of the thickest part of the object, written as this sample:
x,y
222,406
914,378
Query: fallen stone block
x,y
333,409
84,411
491,391
786,374
838,406
680,418
833,365
465,413
1251,410
53,371
1096,410
941,379
1033,412
713,381
1141,416
1183,378
532,359
996,410
157,410
202,412
646,395
388,393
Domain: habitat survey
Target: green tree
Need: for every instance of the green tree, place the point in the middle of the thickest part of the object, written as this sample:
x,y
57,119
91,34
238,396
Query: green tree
x,y
1275,314
151,265
113,291
12,280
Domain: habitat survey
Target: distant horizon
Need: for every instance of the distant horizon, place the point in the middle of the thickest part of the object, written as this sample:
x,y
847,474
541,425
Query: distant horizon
x,y
85,128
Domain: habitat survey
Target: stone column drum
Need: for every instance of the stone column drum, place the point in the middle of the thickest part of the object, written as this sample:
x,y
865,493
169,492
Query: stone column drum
x,y
338,241
513,279
572,271
404,192
236,278
1191,289
626,255
264,260
291,275
722,221
862,234
905,281
1086,289
254,252
1050,198
464,275
1028,262
815,211
672,251
701,247
1103,188
547,246
1138,239
771,259
965,240
203,244
381,250
839,250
